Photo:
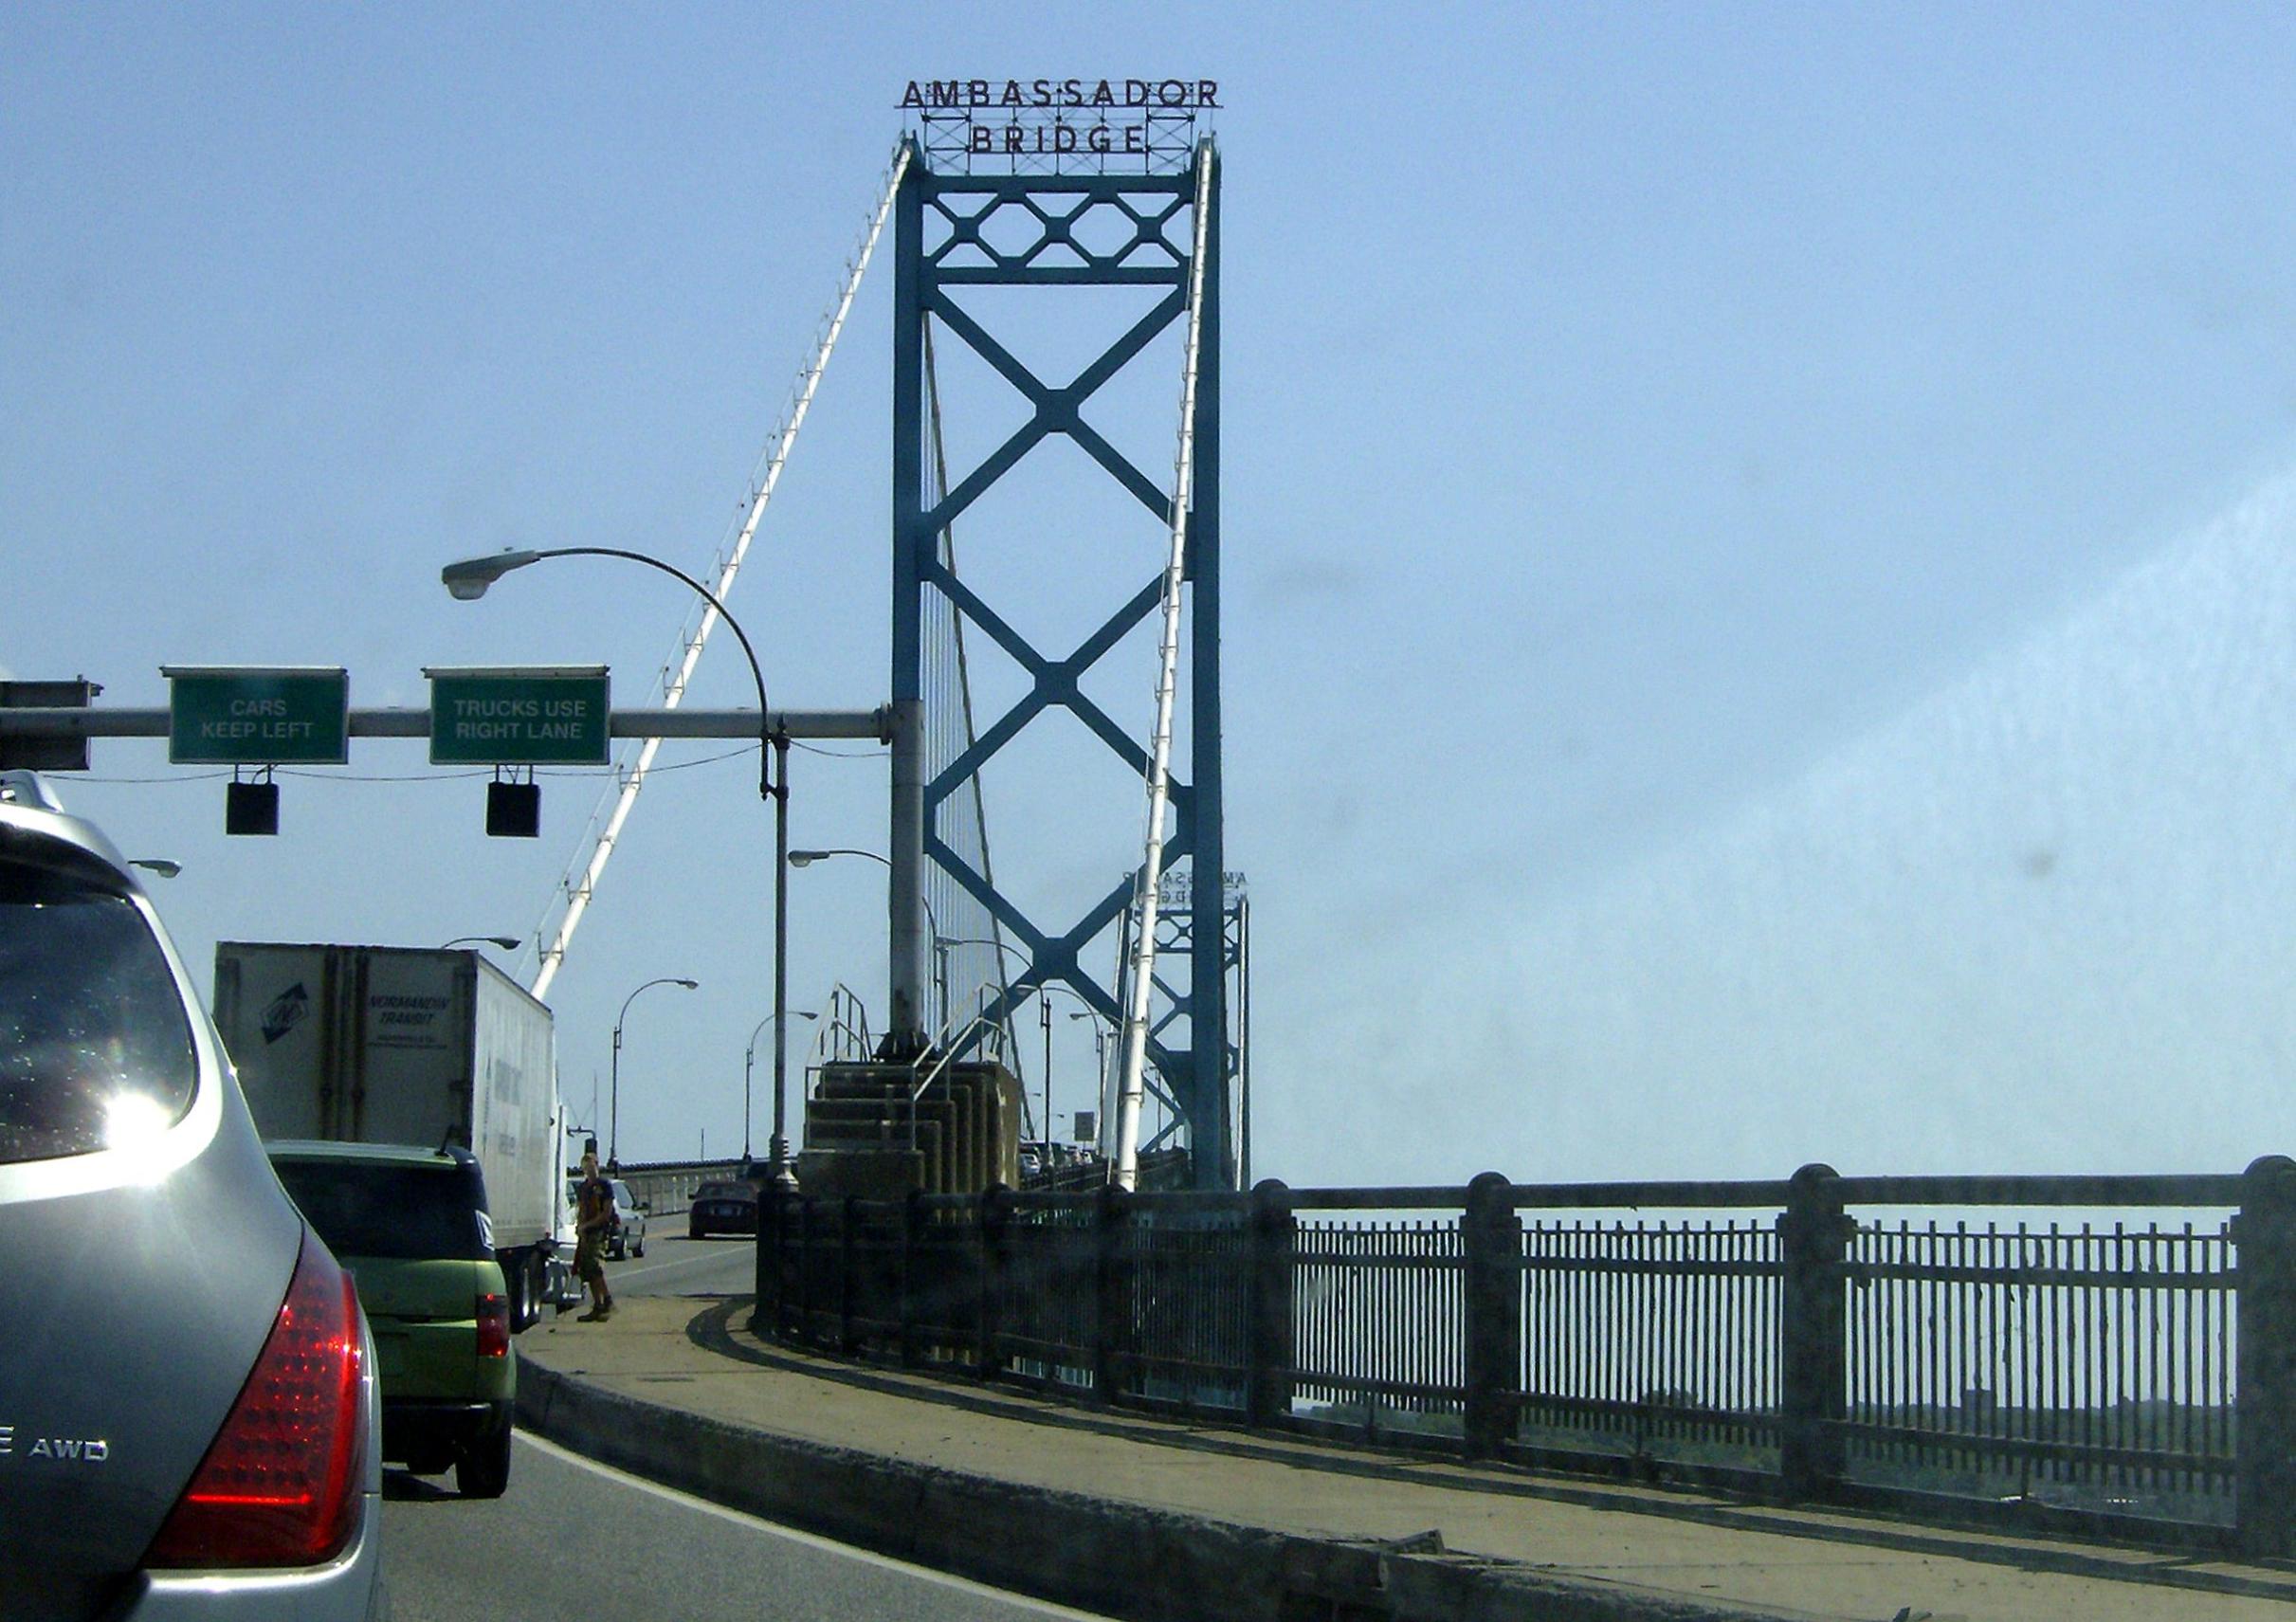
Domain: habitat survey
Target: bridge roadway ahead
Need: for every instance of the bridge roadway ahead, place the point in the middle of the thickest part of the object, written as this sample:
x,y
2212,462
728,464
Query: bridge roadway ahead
x,y
573,1539
684,1354
719,1265
616,1547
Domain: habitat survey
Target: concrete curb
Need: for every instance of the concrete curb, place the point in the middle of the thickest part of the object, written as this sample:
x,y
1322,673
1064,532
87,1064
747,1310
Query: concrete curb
x,y
1124,1559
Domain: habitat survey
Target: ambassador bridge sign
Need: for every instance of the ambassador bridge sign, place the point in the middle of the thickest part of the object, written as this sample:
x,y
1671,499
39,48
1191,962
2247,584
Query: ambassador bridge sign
x,y
1060,125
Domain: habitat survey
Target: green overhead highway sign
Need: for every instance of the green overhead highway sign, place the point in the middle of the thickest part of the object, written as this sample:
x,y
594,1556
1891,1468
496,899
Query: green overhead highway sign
x,y
242,716
524,716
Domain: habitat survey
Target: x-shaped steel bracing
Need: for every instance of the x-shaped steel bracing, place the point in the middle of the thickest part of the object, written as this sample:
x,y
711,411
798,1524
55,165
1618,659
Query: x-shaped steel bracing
x,y
1058,256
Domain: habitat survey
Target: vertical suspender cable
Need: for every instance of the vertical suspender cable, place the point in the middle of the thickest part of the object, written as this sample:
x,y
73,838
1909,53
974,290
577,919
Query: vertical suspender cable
x,y
967,736
1142,979
581,881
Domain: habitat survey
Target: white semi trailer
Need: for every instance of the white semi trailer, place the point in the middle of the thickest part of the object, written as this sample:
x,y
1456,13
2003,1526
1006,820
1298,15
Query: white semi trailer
x,y
407,1045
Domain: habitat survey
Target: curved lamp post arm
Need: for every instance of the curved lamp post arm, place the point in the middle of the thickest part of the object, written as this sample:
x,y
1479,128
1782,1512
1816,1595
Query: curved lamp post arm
x,y
749,1066
941,942
806,858
613,1119
470,579
665,980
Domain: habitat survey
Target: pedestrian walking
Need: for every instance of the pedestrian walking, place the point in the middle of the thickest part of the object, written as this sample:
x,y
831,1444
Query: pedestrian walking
x,y
593,1221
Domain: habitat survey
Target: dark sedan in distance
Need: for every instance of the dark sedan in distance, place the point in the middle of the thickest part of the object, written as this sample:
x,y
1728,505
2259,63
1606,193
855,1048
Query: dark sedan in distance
x,y
722,1208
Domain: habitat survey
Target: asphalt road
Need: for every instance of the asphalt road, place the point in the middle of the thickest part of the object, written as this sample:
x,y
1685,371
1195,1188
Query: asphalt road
x,y
574,1540
680,1265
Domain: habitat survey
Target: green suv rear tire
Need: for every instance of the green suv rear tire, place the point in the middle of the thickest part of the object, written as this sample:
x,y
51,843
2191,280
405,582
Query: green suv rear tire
x,y
482,1469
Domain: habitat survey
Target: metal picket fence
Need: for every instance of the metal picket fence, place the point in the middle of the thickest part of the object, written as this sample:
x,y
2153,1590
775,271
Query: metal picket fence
x,y
2108,1355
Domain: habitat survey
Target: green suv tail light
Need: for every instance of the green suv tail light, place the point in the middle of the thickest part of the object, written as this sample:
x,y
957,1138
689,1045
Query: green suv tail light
x,y
494,1326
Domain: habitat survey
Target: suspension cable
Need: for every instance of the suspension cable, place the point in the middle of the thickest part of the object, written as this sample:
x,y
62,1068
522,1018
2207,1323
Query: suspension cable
x,y
1126,1170
606,818
967,736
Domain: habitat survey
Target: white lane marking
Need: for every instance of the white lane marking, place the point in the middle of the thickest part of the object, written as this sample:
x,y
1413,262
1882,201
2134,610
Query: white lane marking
x,y
807,1540
621,1273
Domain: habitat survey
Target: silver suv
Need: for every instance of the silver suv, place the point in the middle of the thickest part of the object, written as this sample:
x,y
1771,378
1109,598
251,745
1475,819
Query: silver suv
x,y
187,1408
628,1237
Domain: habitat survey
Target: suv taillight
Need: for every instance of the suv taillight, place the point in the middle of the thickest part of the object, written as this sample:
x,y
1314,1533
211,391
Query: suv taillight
x,y
280,1486
494,1326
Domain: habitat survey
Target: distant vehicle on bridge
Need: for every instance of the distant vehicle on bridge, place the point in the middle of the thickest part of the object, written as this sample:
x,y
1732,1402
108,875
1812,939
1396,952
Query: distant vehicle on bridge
x,y
625,1232
627,1237
722,1208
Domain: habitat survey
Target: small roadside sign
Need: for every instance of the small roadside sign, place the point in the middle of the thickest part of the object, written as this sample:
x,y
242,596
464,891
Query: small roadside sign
x,y
519,715
248,715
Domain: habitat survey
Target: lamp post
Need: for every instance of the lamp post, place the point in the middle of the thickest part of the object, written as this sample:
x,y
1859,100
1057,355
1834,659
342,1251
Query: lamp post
x,y
1100,1053
467,580
940,948
940,961
749,1062
1045,1005
613,1118
507,943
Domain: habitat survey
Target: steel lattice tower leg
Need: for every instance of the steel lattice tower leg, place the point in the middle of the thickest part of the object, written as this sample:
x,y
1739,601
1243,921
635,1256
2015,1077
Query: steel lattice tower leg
x,y
1199,1073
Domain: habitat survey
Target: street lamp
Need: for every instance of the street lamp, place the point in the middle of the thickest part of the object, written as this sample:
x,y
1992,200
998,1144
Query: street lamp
x,y
507,943
1045,1007
468,581
613,1119
1100,1052
1000,945
1006,946
749,1060
940,960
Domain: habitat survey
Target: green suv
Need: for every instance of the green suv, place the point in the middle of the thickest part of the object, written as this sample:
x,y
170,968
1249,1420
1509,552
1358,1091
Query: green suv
x,y
410,1226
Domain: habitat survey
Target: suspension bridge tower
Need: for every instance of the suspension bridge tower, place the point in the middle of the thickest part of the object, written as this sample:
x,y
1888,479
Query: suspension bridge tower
x,y
1012,197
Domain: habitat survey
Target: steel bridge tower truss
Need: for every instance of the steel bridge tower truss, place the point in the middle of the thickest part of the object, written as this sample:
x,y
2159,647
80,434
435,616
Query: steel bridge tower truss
x,y
1176,942
940,247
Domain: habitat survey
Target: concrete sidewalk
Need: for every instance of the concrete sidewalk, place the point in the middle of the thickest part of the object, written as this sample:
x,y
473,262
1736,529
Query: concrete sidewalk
x,y
1151,1519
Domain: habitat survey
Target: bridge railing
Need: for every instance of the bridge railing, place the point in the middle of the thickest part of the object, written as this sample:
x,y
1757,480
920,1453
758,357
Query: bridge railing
x,y
668,1186
2104,1356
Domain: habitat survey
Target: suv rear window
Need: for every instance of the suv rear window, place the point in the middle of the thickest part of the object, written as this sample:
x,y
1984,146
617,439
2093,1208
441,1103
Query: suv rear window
x,y
94,1046
368,1208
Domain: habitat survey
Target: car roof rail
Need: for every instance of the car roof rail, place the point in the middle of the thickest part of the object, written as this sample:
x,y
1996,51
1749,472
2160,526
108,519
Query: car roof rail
x,y
23,788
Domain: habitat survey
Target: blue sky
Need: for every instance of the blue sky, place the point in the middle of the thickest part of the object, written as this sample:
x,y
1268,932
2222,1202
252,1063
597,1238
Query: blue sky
x,y
1635,418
